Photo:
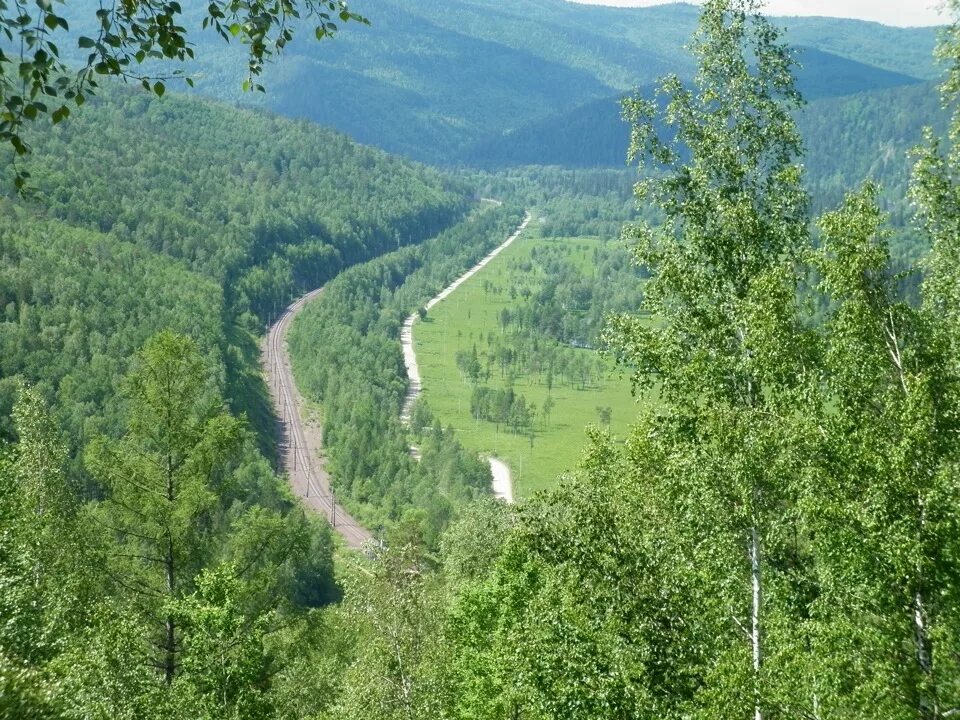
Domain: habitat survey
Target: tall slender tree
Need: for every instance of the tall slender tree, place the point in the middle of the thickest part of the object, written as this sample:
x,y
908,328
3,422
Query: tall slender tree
x,y
935,189
727,353
162,479
929,383
42,586
883,516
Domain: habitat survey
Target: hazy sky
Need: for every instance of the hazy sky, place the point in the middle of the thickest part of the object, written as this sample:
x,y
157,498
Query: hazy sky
x,y
891,12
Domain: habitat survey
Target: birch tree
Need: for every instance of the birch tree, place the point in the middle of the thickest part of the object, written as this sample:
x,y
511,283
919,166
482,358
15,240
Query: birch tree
x,y
935,189
397,672
42,586
926,375
726,353
883,516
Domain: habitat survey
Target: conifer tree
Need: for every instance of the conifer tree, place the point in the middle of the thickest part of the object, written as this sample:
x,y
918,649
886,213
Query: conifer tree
x,y
162,479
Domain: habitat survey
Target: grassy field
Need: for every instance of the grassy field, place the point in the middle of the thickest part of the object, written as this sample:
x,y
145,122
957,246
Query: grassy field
x,y
466,318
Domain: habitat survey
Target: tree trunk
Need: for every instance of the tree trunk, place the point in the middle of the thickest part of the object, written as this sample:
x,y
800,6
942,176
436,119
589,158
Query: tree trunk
x,y
929,709
170,641
755,637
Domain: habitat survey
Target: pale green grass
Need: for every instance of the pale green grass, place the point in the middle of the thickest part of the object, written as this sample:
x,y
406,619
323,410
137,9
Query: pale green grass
x,y
465,318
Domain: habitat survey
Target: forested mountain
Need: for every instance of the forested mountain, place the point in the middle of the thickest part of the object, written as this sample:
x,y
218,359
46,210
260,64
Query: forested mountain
x,y
186,214
152,562
77,302
228,191
848,139
431,79
778,534
847,136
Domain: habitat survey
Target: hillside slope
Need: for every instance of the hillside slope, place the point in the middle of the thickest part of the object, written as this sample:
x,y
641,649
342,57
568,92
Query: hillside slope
x,y
433,78
189,214
848,139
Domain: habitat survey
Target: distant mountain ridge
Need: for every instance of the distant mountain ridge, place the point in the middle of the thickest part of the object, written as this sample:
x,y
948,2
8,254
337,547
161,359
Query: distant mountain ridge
x,y
434,78
594,134
848,138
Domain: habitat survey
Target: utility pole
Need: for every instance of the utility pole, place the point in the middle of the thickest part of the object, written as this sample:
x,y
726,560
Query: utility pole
x,y
333,505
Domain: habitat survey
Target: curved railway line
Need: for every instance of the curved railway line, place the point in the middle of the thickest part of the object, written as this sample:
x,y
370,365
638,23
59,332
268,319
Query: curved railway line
x,y
301,445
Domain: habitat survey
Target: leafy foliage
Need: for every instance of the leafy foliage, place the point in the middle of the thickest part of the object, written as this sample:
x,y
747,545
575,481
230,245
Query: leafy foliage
x,y
37,81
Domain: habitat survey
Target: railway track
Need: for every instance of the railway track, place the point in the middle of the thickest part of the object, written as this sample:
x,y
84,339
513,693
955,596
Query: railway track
x,y
301,446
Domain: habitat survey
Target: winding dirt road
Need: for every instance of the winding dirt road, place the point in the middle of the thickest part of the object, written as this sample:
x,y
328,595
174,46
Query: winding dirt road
x,y
503,483
301,446
502,480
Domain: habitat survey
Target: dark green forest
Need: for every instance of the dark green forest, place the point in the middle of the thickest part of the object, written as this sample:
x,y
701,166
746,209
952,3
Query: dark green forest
x,y
848,139
158,240
776,537
138,192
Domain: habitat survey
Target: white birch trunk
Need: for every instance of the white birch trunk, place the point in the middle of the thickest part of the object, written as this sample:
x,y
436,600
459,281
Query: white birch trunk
x,y
755,579
928,703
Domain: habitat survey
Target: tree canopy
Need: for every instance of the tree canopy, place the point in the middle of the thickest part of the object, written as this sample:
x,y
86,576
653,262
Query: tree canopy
x,y
36,81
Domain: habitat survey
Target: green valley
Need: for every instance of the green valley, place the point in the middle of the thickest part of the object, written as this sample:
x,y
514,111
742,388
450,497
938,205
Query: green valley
x,y
724,374
519,387
345,351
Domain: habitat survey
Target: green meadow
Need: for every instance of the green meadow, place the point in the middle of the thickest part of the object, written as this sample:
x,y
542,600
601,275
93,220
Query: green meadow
x,y
466,319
